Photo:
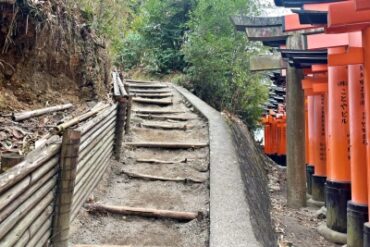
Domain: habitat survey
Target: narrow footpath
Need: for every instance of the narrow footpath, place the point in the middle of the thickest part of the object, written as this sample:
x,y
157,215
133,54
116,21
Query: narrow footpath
x,y
158,193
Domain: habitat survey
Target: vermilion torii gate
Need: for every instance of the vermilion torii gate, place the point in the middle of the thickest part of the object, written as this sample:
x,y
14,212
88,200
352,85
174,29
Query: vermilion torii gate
x,y
339,95
348,107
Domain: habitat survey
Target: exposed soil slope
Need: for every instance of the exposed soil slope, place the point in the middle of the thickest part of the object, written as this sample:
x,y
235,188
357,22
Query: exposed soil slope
x,y
48,54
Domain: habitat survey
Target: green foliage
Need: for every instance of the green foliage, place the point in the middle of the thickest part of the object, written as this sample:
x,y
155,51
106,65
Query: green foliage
x,y
218,59
161,26
109,18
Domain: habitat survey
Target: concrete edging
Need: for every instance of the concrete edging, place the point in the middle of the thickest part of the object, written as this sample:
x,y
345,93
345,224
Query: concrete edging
x,y
230,223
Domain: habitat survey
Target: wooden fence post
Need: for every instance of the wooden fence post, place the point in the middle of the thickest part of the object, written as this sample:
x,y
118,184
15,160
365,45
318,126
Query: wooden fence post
x,y
120,126
65,187
129,109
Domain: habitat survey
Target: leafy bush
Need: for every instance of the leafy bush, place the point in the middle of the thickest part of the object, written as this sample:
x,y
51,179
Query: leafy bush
x,y
218,60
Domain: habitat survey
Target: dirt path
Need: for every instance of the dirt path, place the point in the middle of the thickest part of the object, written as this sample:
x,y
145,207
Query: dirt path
x,y
118,189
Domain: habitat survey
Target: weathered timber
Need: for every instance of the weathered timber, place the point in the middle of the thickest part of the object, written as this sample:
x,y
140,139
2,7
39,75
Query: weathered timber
x,y
155,161
151,95
158,111
120,127
160,178
122,88
68,166
42,236
128,114
241,22
116,91
9,160
78,119
146,85
266,33
295,131
145,212
86,128
267,62
149,116
42,223
169,145
17,198
33,160
153,101
16,233
133,91
164,126
80,197
85,172
35,113
142,81
95,136
42,197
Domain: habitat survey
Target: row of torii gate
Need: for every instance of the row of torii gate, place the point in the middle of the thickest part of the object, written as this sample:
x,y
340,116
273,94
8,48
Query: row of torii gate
x,y
323,51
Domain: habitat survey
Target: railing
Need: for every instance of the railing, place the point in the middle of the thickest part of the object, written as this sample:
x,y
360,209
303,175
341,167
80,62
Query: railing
x,y
41,196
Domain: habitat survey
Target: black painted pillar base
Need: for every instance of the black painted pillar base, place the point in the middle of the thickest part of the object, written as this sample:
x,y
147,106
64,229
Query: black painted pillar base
x,y
318,188
310,170
357,216
367,234
337,195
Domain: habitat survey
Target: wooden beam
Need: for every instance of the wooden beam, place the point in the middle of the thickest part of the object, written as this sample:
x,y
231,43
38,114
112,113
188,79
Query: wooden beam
x,y
267,62
265,33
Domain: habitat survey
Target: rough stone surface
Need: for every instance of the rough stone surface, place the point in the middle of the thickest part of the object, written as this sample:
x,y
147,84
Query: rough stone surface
x,y
230,223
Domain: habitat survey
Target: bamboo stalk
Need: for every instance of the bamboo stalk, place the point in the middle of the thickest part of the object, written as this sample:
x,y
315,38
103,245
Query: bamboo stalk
x,y
41,237
160,178
150,95
89,171
169,145
178,118
153,101
33,160
11,207
133,91
35,113
145,212
87,165
146,85
10,236
90,150
44,240
78,119
164,126
94,138
155,161
140,111
86,128
44,220
90,186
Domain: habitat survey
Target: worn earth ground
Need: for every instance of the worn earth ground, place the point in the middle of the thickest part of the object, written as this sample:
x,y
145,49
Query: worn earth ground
x,y
118,189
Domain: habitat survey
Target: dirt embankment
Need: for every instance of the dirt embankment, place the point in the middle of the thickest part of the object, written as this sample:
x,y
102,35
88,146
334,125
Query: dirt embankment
x,y
49,55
